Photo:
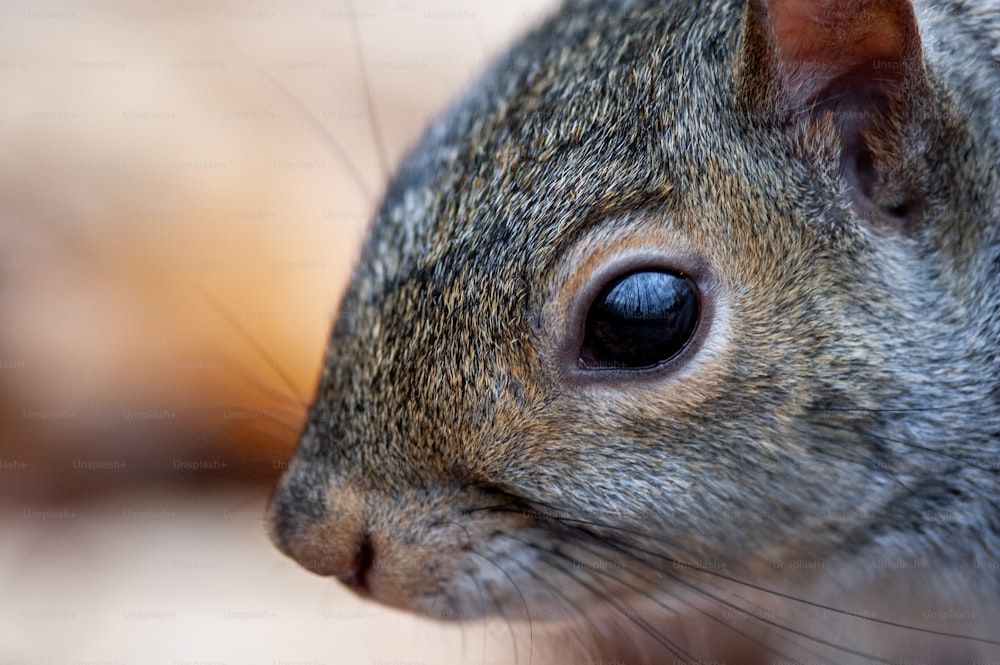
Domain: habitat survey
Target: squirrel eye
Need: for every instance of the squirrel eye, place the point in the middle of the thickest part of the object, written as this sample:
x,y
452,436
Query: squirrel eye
x,y
639,320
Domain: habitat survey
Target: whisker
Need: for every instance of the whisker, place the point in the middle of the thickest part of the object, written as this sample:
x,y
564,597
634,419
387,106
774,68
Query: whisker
x,y
774,624
337,151
373,124
261,434
572,612
766,647
573,526
513,584
498,606
550,512
803,601
633,616
965,461
975,405
482,612
249,339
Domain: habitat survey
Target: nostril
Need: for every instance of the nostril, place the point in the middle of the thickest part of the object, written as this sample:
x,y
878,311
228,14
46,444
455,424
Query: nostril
x,y
356,576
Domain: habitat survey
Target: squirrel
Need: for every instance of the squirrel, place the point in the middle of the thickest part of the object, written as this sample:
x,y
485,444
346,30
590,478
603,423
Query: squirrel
x,y
683,324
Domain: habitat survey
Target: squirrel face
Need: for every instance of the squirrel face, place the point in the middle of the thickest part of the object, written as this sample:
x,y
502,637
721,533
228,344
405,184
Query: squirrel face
x,y
674,286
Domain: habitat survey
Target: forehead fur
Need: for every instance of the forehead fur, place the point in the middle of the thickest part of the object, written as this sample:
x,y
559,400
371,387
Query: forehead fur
x,y
590,116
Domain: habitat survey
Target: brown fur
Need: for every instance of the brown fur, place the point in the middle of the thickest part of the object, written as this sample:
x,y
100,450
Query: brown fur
x,y
833,424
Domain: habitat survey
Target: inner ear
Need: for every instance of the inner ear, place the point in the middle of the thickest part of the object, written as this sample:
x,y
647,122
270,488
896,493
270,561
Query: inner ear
x,y
857,62
879,198
873,132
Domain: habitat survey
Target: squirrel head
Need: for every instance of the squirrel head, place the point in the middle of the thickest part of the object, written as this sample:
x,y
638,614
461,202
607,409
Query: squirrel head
x,y
674,283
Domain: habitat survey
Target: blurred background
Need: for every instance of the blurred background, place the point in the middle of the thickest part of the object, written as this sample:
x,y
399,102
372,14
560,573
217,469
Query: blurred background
x,y
183,190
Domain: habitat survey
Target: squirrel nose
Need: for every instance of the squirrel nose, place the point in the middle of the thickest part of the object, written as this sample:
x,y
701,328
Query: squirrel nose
x,y
330,551
333,543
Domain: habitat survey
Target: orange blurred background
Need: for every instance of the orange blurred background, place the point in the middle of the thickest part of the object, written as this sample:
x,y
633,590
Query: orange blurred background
x,y
183,190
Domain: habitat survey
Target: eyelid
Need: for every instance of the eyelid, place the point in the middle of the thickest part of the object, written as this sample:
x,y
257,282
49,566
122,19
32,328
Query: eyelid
x,y
584,271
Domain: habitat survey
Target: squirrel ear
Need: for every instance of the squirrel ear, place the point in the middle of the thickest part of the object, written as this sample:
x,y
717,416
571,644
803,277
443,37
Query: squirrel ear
x,y
809,55
859,60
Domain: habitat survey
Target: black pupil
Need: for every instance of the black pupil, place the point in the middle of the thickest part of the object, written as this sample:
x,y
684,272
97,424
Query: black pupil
x,y
640,320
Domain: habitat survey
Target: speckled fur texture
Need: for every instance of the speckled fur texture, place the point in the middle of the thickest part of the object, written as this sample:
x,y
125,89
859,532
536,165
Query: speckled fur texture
x,y
815,477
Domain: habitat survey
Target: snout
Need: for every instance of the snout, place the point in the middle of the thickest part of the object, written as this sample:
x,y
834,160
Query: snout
x,y
328,540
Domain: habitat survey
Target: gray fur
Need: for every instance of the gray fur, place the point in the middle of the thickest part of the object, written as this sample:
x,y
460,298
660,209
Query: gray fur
x,y
843,407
